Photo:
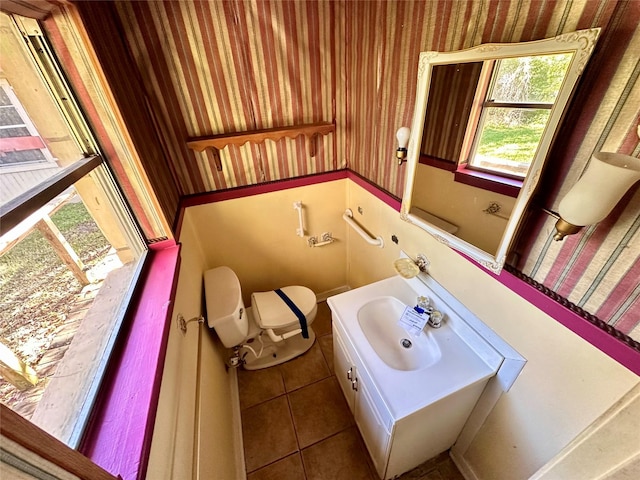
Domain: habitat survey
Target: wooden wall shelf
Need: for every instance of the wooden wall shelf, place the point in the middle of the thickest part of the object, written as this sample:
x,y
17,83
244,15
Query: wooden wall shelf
x,y
257,136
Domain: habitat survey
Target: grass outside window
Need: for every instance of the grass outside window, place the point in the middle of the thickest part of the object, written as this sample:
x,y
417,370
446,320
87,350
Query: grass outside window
x,y
515,113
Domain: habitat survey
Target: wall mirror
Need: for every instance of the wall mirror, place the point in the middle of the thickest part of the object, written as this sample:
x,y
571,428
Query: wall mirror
x,y
483,123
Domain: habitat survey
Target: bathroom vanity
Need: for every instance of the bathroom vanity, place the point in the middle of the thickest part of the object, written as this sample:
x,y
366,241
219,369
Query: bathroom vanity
x,y
410,394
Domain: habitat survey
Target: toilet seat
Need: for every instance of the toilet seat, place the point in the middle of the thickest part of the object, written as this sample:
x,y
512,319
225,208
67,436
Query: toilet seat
x,y
270,311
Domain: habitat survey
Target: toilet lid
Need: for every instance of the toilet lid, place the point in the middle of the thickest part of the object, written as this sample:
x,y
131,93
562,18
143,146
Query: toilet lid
x,y
272,312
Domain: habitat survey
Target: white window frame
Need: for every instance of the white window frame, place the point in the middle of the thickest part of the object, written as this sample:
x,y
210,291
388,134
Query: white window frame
x,y
483,103
49,160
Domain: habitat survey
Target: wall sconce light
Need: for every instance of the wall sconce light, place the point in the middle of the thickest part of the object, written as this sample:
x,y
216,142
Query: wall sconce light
x,y
606,179
402,135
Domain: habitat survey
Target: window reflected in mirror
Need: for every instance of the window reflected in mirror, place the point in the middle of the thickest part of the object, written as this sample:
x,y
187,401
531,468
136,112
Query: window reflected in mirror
x,y
515,111
483,123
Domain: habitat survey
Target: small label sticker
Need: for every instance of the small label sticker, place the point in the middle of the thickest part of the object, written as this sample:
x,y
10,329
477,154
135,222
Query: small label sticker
x,y
412,321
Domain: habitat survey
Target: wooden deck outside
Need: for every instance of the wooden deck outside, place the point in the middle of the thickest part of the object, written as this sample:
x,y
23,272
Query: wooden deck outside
x,y
12,368
25,402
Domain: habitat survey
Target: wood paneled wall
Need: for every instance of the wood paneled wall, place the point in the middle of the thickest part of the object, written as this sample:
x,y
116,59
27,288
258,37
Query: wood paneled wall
x,y
98,67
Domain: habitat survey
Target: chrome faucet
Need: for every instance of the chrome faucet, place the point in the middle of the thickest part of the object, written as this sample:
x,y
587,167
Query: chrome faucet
x,y
423,306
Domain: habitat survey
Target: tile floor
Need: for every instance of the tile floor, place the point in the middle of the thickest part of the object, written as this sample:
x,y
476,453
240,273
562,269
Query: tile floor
x,y
296,424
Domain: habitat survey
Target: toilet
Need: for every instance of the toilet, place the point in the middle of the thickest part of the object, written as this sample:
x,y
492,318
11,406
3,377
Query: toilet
x,y
268,333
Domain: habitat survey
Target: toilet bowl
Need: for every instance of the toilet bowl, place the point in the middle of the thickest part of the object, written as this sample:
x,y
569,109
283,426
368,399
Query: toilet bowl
x,y
269,332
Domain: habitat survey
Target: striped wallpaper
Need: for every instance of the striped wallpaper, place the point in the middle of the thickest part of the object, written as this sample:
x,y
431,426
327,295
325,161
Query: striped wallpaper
x,y
598,269
225,66
385,78
451,92
218,67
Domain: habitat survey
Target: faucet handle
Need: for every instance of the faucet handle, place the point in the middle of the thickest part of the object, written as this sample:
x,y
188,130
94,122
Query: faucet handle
x,y
423,302
435,319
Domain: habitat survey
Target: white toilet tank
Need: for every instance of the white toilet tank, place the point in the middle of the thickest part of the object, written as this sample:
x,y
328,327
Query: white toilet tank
x,y
225,309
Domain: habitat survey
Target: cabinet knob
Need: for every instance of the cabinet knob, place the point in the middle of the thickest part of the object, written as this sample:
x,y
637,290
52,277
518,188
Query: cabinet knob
x,y
349,373
354,384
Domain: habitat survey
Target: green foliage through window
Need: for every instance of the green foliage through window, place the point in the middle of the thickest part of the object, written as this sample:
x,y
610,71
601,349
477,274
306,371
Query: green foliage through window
x,y
516,111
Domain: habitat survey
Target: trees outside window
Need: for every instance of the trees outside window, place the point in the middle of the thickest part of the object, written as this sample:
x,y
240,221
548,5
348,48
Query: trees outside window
x,y
515,112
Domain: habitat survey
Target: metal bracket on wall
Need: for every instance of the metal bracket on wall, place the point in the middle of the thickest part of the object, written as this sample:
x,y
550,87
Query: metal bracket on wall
x,y
422,262
182,323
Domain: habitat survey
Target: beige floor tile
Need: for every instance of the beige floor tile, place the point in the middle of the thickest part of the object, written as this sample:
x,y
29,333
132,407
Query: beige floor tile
x,y
423,469
319,411
257,386
440,467
433,475
449,471
340,457
268,433
289,468
326,345
305,369
322,323
320,421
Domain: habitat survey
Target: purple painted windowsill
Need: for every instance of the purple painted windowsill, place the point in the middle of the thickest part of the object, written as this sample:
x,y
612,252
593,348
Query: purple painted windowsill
x,y
119,435
488,181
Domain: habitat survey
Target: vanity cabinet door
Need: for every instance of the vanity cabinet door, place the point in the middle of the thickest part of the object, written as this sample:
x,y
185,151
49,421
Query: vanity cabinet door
x,y
374,432
358,391
345,369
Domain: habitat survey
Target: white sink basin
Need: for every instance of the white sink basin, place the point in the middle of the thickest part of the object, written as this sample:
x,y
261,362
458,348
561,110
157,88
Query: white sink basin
x,y
411,403
441,361
378,320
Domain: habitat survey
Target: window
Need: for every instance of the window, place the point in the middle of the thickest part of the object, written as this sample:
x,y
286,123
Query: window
x,y
20,142
515,112
65,233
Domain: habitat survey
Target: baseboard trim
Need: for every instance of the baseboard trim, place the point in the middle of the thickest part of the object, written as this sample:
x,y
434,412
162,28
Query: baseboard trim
x,y
241,473
322,296
464,468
